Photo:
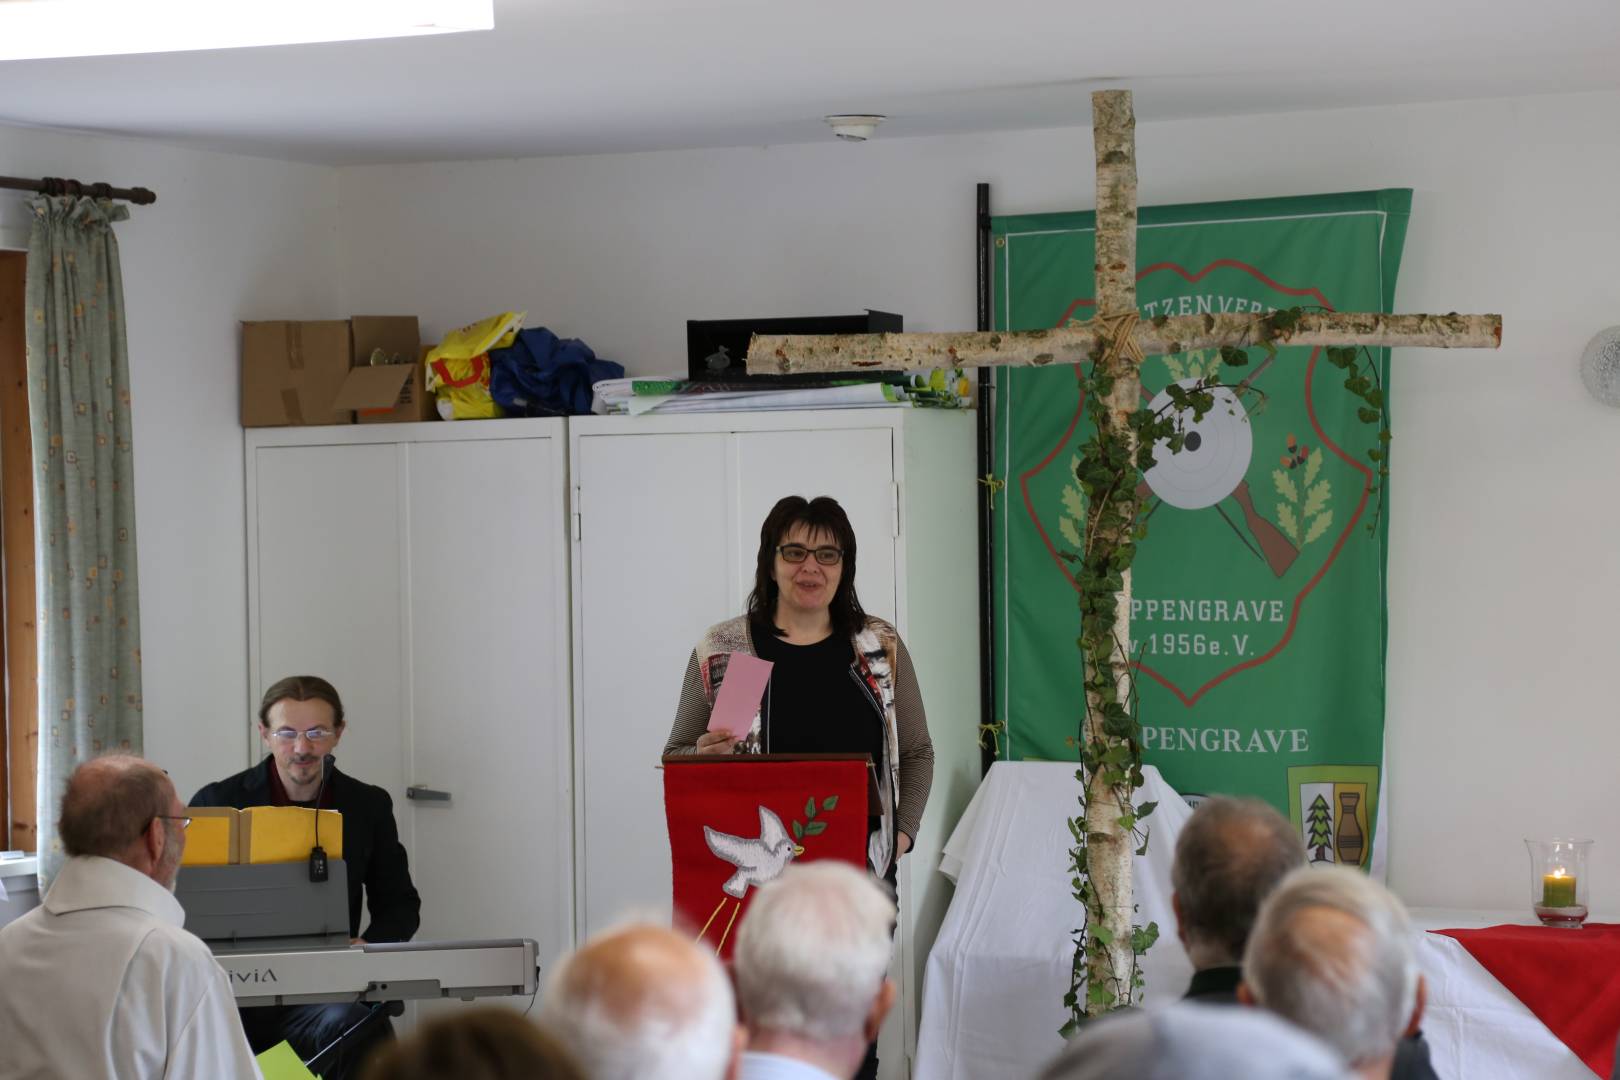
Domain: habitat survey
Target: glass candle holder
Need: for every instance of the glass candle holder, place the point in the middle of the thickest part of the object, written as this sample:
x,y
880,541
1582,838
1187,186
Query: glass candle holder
x,y
1558,881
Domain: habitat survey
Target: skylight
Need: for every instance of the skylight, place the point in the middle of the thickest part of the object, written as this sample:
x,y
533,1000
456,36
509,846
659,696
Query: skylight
x,y
37,29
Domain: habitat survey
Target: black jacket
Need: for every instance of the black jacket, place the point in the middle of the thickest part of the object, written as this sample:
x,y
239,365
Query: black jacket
x,y
371,847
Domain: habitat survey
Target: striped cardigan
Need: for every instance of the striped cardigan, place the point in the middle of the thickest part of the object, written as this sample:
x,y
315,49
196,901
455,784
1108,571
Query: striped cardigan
x,y
907,771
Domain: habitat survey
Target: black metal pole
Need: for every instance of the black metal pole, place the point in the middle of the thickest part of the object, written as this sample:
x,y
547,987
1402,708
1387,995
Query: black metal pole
x,y
53,185
986,418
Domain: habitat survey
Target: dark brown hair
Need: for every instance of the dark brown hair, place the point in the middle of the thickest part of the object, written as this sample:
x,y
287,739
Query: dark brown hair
x,y
109,802
488,1043
302,688
1229,857
820,515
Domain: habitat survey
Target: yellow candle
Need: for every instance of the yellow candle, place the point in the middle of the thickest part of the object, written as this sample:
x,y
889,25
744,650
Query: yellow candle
x,y
1558,890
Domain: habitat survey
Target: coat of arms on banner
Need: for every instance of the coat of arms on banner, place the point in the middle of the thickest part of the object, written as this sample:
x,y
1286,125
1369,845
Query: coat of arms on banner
x,y
1333,807
1258,593
736,824
1247,519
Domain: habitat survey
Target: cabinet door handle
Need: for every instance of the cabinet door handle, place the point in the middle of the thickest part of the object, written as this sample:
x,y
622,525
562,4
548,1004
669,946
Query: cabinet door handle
x,y
426,794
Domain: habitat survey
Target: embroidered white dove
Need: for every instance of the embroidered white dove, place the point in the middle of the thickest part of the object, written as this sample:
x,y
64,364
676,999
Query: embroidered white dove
x,y
757,861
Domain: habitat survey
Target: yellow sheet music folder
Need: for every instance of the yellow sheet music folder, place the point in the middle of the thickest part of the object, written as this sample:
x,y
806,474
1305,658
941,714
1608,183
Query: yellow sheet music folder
x,y
211,840
272,834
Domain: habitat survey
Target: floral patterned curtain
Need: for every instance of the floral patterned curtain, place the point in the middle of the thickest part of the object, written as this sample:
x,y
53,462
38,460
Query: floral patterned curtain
x,y
84,498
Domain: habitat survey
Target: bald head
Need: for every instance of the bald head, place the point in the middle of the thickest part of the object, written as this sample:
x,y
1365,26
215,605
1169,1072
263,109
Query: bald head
x,y
120,807
1229,856
644,1003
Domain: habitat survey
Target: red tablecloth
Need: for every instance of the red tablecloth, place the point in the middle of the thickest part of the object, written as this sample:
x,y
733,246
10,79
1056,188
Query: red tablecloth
x,y
1569,978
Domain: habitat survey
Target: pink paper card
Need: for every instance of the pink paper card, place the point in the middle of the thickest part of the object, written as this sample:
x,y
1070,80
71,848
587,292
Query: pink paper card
x,y
740,693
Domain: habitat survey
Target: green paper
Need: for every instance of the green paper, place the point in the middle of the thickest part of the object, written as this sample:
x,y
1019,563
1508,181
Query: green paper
x,y
281,1062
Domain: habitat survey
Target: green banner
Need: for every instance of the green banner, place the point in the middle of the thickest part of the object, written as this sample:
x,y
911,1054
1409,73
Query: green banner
x,y
1257,602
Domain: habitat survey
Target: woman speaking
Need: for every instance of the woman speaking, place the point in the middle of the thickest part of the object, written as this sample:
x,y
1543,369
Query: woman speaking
x,y
841,680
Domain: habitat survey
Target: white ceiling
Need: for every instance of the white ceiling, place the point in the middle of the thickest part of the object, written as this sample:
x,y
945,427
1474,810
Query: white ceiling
x,y
591,76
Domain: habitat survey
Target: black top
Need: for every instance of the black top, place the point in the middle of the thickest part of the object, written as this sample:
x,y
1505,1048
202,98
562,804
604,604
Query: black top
x,y
1215,986
371,846
1218,986
815,702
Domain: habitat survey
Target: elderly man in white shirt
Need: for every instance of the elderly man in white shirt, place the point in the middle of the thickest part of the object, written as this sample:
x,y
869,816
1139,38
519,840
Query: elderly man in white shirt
x,y
811,964
102,979
642,1002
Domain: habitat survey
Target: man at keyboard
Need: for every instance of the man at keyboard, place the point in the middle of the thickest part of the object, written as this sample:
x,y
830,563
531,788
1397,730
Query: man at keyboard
x,y
300,723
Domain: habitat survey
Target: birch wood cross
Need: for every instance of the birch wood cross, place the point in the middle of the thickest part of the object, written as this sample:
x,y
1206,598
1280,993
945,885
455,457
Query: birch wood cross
x,y
1117,340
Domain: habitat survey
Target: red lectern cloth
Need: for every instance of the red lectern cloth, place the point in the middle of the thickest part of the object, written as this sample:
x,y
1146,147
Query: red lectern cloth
x,y
761,816
1570,979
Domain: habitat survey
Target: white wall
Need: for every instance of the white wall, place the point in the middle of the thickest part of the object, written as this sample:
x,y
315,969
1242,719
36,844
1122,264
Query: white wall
x,y
1504,582
229,238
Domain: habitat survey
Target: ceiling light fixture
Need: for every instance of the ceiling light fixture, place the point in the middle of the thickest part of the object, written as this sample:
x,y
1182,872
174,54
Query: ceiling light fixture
x,y
38,29
854,127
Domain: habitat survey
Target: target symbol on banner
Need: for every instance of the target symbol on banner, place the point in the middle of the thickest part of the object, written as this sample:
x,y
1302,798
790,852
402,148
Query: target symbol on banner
x,y
1211,466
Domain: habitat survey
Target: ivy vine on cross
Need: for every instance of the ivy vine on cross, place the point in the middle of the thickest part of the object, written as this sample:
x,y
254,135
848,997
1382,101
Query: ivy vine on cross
x,y
1114,343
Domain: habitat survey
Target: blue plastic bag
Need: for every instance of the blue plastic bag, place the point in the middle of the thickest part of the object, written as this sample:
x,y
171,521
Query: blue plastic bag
x,y
544,375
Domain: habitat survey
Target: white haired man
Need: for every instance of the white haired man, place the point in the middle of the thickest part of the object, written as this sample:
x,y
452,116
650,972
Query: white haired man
x,y
1193,1041
102,979
1331,951
644,1003
811,964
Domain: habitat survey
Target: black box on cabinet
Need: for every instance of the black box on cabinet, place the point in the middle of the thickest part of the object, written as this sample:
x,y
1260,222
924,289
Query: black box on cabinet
x,y
717,349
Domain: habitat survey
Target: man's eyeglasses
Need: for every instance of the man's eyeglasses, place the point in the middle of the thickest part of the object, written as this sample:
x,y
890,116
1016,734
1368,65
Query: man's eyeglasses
x,y
185,822
287,736
797,553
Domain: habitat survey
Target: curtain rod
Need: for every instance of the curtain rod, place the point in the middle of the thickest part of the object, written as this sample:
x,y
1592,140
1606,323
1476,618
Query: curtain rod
x,y
55,185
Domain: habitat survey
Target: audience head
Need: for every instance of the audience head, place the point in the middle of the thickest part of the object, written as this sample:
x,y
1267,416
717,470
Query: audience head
x,y
812,955
1332,952
1188,1041
125,808
1231,853
644,1003
487,1043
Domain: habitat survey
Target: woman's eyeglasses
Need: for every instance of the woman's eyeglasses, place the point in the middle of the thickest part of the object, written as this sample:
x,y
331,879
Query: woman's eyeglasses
x,y
797,553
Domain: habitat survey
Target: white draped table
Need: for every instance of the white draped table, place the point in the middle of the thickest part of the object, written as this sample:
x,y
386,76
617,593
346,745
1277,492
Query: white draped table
x,y
994,984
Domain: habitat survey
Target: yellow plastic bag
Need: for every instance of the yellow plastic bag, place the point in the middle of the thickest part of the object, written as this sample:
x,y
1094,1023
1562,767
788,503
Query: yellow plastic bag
x,y
458,367
462,389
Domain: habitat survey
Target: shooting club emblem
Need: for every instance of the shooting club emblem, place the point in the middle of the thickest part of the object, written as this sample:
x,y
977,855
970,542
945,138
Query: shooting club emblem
x,y
1259,488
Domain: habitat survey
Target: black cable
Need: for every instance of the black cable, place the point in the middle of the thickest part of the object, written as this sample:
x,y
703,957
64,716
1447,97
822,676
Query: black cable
x,y
317,854
376,1007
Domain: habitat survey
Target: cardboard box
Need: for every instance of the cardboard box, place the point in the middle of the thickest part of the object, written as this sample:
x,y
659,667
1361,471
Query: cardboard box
x,y
392,392
212,838
291,372
297,374
270,834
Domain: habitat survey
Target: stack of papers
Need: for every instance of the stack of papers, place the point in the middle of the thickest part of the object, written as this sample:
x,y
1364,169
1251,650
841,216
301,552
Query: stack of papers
x,y
673,394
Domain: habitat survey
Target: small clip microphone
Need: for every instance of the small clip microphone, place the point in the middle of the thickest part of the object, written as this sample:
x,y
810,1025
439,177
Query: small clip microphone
x,y
317,854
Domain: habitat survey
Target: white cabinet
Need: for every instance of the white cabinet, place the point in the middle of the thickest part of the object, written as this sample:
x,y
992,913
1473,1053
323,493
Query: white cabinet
x,y
422,568
666,531
425,569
